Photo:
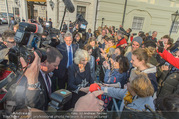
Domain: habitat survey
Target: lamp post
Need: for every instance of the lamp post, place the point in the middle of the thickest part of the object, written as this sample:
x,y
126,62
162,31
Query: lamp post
x,y
124,13
175,17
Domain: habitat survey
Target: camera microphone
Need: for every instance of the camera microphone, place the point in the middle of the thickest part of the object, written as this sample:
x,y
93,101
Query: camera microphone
x,y
69,5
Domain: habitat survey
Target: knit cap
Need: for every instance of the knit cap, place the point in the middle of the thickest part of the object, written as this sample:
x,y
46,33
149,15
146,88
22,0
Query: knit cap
x,y
138,39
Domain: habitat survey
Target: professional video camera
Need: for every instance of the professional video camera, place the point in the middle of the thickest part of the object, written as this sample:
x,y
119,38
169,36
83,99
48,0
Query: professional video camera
x,y
27,40
82,23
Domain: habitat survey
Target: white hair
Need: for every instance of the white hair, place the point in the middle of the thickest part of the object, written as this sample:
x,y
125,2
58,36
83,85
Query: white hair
x,y
80,55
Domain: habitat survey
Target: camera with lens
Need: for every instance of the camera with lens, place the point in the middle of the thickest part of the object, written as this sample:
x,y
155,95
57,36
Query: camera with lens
x,y
27,40
82,23
134,34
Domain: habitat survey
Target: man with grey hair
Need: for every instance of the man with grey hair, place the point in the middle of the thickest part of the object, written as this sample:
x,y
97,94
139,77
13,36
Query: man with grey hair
x,y
67,49
121,40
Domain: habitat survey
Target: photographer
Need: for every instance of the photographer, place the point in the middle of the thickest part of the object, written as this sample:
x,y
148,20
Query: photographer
x,y
32,95
43,82
153,37
127,32
53,60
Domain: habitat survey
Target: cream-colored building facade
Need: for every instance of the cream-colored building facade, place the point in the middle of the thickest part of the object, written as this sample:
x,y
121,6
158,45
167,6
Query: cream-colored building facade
x,y
141,15
149,14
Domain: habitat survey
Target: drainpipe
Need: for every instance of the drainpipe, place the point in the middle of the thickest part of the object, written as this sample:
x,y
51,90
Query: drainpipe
x,y
96,14
124,13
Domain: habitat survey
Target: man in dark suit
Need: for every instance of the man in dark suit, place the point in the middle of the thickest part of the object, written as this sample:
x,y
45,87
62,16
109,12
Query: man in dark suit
x,y
50,23
64,27
68,50
53,60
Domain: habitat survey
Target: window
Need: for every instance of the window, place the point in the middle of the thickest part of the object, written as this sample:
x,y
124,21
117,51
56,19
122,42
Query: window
x,y
81,10
175,27
137,23
16,11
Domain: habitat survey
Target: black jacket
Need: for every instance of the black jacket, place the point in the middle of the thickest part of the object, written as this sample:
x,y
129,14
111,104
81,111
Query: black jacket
x,y
168,84
45,91
75,77
80,43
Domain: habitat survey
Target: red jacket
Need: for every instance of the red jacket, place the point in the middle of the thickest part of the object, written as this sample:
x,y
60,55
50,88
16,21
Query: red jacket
x,y
121,42
169,58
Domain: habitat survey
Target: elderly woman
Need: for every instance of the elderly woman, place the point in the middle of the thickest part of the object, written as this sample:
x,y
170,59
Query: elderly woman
x,y
79,75
138,93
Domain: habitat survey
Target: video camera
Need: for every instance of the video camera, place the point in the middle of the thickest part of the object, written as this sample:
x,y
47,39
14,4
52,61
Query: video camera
x,y
82,23
27,40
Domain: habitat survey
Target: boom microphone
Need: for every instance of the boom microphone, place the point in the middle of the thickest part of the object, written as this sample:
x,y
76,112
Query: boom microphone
x,y
69,6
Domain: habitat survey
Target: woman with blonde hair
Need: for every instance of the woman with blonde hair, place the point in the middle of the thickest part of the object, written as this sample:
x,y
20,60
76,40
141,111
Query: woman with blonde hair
x,y
79,76
138,93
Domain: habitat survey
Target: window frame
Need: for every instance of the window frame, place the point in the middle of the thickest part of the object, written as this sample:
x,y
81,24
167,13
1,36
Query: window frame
x,y
137,21
81,10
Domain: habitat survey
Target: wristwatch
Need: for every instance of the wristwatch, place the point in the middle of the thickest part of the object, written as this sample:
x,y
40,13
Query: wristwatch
x,y
36,85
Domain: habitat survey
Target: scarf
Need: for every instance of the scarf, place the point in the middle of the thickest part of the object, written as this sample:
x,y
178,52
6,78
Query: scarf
x,y
128,98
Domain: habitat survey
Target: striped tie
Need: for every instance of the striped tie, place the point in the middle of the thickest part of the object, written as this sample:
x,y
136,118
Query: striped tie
x,y
48,83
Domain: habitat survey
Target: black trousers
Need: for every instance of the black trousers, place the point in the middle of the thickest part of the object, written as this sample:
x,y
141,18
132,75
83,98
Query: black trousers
x,y
63,80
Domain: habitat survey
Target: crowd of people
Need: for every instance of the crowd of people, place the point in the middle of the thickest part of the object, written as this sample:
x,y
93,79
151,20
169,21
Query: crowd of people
x,y
136,70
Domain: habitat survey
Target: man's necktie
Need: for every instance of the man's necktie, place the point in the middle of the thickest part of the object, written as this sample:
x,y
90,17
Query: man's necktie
x,y
70,59
48,83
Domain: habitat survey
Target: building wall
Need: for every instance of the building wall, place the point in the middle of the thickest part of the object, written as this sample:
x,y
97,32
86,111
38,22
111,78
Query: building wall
x,y
41,11
57,16
3,6
156,13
